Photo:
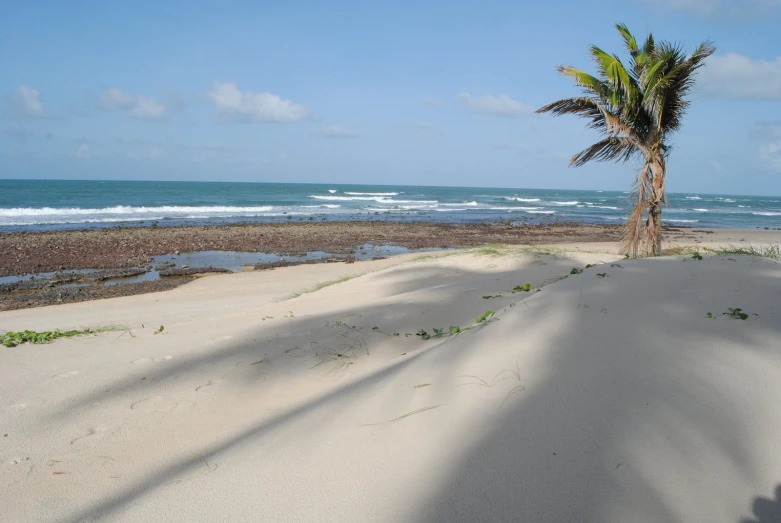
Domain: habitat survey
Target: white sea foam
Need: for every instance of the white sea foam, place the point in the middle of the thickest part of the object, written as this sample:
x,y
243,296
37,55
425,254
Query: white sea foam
x,y
378,199
567,203
517,199
693,198
680,221
124,213
513,208
349,198
40,221
701,210
766,213
541,212
371,193
128,210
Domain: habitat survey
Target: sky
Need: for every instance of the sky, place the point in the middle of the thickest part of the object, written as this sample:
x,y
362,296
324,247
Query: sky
x,y
402,92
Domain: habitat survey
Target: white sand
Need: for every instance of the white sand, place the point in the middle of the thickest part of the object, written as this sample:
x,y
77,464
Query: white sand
x,y
629,403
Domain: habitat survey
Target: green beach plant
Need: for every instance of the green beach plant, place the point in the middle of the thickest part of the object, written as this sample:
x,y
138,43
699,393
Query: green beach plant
x,y
487,315
636,108
736,313
455,330
15,338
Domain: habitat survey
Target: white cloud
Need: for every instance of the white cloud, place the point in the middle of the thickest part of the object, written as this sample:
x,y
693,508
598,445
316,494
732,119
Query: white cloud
x,y
737,76
234,105
501,105
136,105
335,131
27,102
713,8
771,153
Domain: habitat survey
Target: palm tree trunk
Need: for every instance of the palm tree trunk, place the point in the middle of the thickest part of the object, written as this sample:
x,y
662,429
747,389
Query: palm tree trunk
x,y
656,199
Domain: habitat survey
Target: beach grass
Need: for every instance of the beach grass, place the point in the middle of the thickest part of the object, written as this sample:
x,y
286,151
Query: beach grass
x,y
761,251
322,285
772,251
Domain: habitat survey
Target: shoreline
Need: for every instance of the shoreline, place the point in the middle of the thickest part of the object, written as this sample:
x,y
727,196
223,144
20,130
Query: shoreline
x,y
38,252
87,265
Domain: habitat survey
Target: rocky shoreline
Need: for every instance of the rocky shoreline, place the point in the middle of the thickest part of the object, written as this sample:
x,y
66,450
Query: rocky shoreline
x,y
126,252
36,252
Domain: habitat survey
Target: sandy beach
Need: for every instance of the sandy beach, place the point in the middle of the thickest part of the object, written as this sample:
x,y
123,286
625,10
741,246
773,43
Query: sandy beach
x,y
305,394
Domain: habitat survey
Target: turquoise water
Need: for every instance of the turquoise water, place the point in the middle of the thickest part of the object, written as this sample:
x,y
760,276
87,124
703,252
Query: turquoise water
x,y
48,205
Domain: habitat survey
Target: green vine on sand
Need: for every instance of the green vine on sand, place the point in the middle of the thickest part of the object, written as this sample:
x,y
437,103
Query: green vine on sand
x,y
13,338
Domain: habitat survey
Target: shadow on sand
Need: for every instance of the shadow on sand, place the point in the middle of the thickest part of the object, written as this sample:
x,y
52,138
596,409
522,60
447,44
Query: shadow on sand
x,y
648,412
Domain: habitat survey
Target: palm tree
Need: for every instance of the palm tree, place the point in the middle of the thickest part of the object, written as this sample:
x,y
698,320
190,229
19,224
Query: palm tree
x,y
636,109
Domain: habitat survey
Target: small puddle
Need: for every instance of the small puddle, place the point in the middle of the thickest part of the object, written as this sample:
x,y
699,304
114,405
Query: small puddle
x,y
232,260
43,275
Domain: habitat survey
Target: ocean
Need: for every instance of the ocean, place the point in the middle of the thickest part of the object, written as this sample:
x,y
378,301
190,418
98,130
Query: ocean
x,y
33,205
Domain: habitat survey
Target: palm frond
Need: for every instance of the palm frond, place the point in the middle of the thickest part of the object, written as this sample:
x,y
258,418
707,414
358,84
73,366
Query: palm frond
x,y
631,43
649,45
601,117
637,58
589,83
668,81
611,148
624,85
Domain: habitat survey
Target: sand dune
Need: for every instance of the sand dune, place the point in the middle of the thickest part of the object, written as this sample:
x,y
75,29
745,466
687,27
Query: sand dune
x,y
606,398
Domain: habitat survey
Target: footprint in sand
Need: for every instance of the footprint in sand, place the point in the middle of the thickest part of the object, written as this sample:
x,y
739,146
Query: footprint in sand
x,y
156,404
90,437
158,359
